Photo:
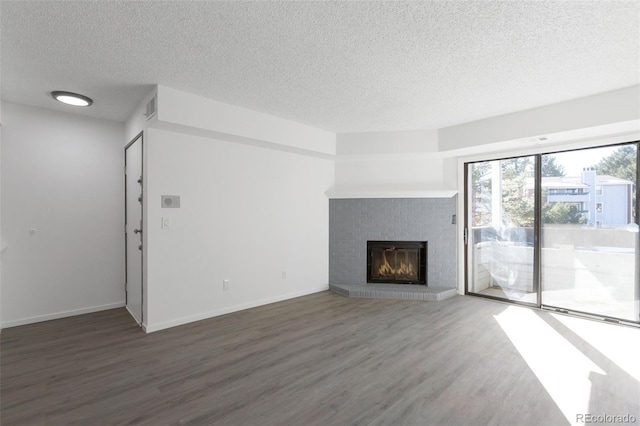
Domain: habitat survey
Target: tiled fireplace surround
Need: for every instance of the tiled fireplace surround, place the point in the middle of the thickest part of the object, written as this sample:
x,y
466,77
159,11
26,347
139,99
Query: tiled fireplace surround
x,y
354,221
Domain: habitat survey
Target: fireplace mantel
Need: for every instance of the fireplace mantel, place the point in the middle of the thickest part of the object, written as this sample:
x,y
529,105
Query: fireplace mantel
x,y
351,192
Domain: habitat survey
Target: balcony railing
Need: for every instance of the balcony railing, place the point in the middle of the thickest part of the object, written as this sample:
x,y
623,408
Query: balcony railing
x,y
568,193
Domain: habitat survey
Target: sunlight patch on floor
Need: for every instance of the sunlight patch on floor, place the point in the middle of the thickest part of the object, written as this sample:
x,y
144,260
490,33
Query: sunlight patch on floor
x,y
561,368
620,344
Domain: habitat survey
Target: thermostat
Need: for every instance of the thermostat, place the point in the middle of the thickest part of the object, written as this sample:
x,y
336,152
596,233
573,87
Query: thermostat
x,y
170,201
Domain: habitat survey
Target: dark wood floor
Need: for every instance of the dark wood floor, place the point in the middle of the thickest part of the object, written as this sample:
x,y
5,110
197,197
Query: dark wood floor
x,y
319,359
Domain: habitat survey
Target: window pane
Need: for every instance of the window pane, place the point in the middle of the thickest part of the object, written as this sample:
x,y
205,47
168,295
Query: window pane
x,y
589,235
501,203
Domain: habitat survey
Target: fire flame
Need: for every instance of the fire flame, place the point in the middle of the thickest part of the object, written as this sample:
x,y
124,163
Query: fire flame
x,y
403,270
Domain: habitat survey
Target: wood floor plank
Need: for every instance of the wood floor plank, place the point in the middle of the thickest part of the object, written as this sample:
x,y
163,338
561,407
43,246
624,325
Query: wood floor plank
x,y
315,360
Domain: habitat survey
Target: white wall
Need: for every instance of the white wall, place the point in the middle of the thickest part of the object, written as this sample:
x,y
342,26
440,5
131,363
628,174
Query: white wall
x,y
385,160
187,110
387,143
589,112
1,236
62,176
247,213
1,239
252,189
411,171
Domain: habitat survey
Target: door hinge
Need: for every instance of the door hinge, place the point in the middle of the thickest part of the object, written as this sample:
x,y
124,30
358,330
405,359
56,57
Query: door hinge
x,y
466,236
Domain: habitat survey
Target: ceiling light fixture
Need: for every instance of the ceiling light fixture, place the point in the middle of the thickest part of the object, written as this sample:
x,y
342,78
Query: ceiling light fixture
x,y
70,98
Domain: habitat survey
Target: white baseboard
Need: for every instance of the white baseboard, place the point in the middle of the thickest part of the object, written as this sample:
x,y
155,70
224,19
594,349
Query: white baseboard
x,y
150,328
57,315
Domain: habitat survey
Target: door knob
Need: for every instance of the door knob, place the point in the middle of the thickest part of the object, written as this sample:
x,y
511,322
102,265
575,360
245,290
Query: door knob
x,y
137,231
140,247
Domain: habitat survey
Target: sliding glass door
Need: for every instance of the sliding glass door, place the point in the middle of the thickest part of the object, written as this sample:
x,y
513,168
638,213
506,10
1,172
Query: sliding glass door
x,y
500,235
589,232
557,230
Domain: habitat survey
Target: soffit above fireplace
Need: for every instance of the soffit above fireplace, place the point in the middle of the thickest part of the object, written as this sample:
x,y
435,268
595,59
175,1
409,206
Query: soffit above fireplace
x,y
410,191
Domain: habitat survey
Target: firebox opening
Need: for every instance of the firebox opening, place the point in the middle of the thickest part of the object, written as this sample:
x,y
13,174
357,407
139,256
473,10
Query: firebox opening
x,y
398,262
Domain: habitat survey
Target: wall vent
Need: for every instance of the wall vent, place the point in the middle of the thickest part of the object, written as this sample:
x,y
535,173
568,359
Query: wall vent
x,y
151,108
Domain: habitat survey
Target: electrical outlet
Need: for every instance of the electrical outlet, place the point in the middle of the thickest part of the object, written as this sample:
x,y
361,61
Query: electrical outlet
x,y
226,285
284,274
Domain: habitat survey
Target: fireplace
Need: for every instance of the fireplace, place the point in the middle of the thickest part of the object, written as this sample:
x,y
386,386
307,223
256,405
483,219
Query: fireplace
x,y
397,262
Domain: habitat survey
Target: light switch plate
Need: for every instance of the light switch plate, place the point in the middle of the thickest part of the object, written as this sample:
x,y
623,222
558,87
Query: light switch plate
x,y
166,222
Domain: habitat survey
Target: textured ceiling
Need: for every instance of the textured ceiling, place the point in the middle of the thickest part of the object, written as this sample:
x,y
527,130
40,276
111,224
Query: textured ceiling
x,y
340,66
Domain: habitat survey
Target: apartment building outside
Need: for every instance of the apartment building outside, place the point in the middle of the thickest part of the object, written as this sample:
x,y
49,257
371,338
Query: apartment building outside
x,y
604,200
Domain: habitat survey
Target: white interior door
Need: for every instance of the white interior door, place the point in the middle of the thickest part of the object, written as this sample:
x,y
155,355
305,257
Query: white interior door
x,y
133,228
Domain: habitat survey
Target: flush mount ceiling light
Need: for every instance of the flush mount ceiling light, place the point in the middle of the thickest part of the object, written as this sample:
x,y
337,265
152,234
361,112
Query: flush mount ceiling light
x,y
70,98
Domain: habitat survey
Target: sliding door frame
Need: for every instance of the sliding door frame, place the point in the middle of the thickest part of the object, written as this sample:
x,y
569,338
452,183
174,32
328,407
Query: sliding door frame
x,y
537,230
537,248
536,260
